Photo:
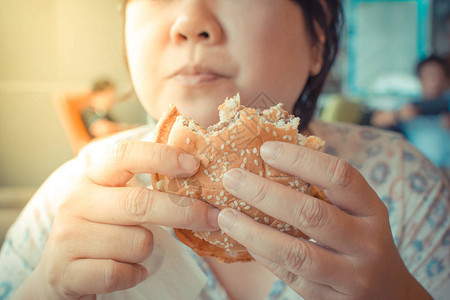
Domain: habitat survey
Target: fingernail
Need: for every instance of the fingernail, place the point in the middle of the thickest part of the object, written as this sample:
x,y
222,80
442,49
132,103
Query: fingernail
x,y
143,274
227,218
188,162
213,213
233,179
270,150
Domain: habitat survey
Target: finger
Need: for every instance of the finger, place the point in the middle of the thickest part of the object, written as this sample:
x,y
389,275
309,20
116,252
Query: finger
x,y
138,206
316,218
305,288
88,297
115,167
298,256
128,244
342,183
102,276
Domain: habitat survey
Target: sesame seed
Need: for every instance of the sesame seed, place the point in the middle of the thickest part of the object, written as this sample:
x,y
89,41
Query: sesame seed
x,y
208,142
242,166
250,117
266,219
256,218
217,203
284,137
247,207
217,198
281,230
227,142
209,197
274,133
211,159
255,150
248,151
279,225
188,140
225,198
260,173
233,137
242,203
225,239
203,154
213,167
242,152
226,163
187,193
239,122
290,137
234,150
221,193
296,182
235,203
224,168
222,146
267,129
244,113
291,183
238,208
269,173
225,153
219,160
217,179
256,162
245,160
233,145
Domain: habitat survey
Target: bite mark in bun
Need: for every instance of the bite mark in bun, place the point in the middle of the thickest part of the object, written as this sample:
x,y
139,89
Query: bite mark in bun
x,y
234,142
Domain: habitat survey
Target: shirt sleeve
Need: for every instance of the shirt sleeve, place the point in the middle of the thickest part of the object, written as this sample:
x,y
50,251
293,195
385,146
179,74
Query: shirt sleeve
x,y
26,239
425,243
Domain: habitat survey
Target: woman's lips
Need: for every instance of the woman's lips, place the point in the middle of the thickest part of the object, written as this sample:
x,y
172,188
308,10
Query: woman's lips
x,y
196,79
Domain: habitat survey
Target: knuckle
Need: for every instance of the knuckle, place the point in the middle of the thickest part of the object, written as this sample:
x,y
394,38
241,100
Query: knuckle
x,y
341,172
112,277
262,192
310,214
142,244
290,278
299,159
121,150
138,203
293,256
159,153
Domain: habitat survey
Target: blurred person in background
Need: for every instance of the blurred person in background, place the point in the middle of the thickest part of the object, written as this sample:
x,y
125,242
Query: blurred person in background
x,y
425,122
97,114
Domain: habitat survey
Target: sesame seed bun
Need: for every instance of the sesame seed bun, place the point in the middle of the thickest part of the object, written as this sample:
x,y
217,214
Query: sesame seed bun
x,y
234,142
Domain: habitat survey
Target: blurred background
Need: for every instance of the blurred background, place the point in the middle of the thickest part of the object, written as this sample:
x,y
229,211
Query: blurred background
x,y
52,51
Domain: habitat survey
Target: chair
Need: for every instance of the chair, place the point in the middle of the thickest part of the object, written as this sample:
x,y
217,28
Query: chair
x,y
68,107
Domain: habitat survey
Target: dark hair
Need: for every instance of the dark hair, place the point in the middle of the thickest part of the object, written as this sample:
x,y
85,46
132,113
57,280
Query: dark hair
x,y
101,85
328,14
433,59
329,17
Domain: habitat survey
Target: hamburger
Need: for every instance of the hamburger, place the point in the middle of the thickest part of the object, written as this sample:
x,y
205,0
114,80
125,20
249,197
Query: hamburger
x,y
234,142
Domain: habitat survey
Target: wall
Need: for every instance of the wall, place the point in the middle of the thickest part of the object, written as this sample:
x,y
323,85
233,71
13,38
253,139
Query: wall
x,y
50,45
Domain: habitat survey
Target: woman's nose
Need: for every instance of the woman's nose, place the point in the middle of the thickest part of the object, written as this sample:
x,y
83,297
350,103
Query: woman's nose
x,y
196,24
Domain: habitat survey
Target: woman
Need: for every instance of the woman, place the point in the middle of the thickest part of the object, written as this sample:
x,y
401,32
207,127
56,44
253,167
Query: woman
x,y
195,53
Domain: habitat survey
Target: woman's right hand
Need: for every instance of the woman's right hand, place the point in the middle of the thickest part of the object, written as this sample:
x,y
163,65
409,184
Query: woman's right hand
x,y
98,239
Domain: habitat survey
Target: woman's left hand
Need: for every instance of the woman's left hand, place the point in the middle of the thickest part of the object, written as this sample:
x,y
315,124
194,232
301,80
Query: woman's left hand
x,y
355,256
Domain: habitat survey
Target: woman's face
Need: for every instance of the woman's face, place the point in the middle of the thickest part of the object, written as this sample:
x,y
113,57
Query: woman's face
x,y
195,53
